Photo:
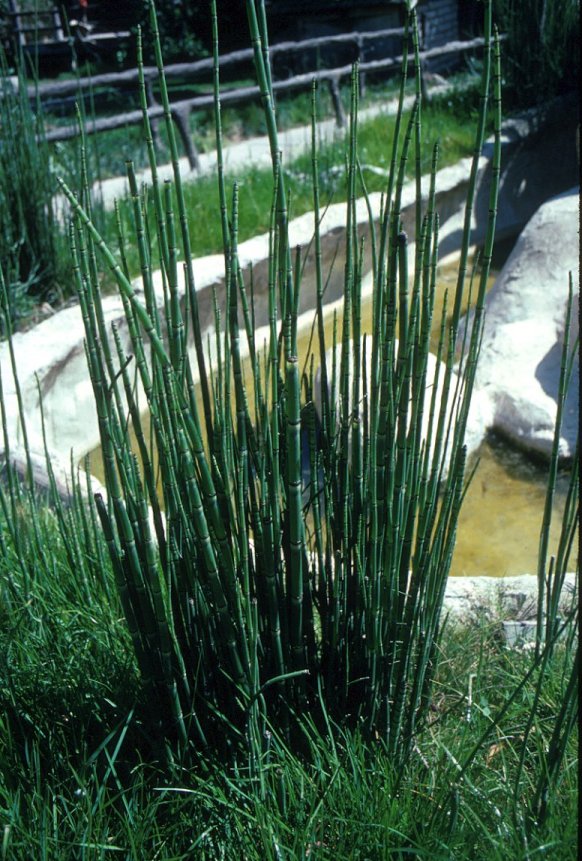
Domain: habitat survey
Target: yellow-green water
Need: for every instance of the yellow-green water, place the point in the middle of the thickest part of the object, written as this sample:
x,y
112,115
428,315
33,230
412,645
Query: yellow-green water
x,y
499,524
498,531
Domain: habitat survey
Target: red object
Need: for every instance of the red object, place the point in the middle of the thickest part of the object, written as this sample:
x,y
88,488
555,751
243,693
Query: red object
x,y
84,4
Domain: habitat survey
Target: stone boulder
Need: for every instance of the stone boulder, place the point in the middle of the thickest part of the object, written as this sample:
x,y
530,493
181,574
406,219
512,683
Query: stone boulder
x,y
538,161
519,366
502,597
41,480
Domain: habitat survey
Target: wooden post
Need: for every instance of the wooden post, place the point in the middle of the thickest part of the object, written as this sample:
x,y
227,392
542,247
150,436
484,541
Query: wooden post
x,y
422,28
340,114
362,75
423,85
58,25
18,24
181,117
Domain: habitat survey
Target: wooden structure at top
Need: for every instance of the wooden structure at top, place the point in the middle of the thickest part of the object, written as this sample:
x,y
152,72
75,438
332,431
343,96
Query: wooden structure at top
x,y
48,30
438,20
181,108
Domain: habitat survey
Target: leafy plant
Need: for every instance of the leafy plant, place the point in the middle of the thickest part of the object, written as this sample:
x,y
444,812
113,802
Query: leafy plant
x,y
542,56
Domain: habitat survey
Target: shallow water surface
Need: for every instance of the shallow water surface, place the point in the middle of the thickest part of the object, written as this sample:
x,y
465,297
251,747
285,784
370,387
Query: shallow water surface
x,y
498,531
499,525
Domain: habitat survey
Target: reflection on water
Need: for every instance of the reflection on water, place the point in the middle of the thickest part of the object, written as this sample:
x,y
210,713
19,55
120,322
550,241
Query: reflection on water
x,y
498,531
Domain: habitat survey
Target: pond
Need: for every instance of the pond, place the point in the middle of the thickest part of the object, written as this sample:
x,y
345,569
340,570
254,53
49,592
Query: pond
x,y
498,533
499,526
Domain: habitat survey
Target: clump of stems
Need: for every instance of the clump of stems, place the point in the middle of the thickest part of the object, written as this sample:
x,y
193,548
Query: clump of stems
x,y
293,562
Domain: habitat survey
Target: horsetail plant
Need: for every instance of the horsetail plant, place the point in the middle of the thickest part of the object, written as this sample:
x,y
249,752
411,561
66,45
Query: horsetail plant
x,y
300,557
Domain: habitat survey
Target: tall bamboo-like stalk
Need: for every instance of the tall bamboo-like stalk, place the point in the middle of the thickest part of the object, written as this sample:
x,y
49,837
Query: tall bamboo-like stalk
x,y
301,561
551,574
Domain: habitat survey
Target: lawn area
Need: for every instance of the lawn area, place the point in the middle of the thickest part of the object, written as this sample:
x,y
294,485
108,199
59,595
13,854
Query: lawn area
x,y
81,776
443,122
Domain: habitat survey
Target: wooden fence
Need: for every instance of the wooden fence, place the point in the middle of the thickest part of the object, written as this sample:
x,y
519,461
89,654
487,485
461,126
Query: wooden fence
x,y
180,109
41,26
50,30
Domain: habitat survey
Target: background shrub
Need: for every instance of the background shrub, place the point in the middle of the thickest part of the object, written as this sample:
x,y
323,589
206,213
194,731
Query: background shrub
x,y
541,57
33,247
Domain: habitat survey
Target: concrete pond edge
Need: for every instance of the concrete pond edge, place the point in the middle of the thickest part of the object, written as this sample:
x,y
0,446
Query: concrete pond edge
x,y
51,364
51,359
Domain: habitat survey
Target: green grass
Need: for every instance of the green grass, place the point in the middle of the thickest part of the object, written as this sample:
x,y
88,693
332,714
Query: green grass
x,y
79,779
443,122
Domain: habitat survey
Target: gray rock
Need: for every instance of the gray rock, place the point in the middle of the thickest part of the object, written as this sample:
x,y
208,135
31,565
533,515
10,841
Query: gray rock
x,y
519,367
468,597
63,480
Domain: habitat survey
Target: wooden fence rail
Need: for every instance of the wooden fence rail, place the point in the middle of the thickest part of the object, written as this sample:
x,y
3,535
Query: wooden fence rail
x,y
197,68
180,109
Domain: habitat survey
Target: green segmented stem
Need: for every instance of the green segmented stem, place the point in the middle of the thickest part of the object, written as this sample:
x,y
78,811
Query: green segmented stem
x,y
143,249
548,591
21,414
319,268
183,218
161,356
479,138
296,538
149,140
262,68
239,387
211,564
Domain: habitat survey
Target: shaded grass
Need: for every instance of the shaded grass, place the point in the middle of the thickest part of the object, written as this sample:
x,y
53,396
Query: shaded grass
x,y
78,778
64,656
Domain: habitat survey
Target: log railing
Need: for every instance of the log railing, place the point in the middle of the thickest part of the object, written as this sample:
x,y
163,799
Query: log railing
x,y
181,108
